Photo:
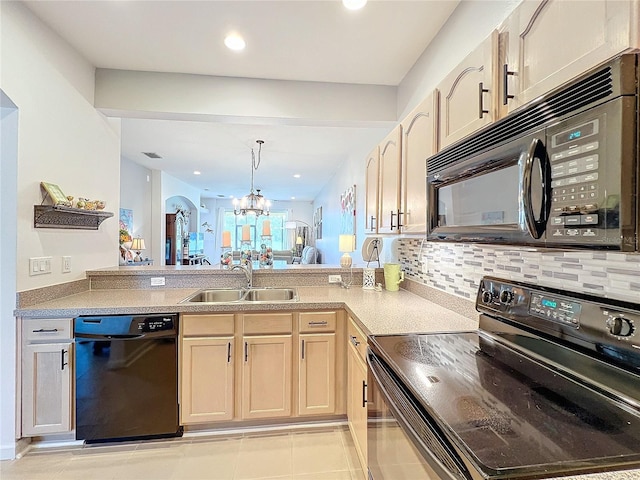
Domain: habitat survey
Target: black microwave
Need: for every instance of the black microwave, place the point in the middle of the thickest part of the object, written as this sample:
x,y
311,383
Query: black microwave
x,y
562,171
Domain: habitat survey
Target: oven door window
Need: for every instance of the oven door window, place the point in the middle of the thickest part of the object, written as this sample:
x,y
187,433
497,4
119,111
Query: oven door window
x,y
489,199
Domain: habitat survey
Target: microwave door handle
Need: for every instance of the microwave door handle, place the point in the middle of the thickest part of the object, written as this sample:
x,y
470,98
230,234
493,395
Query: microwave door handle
x,y
536,227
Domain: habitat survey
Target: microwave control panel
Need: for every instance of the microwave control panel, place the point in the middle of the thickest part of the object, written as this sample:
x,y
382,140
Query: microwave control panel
x,y
575,157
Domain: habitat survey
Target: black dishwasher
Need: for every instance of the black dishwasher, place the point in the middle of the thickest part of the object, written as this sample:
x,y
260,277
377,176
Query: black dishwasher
x,y
126,377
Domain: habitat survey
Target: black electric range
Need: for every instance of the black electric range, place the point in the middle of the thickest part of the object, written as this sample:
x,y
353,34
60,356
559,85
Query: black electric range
x,y
548,386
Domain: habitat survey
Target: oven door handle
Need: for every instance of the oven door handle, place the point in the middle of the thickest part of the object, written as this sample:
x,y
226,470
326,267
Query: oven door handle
x,y
536,227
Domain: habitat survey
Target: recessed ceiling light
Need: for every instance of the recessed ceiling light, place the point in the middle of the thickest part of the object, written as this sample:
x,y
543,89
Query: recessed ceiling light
x,y
196,172
296,175
235,42
293,198
354,4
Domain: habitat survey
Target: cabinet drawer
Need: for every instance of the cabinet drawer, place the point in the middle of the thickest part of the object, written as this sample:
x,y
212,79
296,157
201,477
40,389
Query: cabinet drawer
x,y
207,325
47,329
312,322
357,339
269,323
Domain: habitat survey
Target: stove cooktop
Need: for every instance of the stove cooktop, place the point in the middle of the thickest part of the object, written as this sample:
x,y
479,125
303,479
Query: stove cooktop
x,y
508,412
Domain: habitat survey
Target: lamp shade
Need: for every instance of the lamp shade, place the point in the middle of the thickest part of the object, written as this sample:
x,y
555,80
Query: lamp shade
x,y
299,240
346,243
138,244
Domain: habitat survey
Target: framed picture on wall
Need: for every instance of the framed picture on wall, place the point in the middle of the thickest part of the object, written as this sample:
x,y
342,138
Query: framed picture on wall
x,y
348,211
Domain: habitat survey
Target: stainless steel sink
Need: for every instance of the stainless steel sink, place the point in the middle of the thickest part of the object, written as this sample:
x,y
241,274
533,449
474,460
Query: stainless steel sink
x,y
242,295
271,295
216,295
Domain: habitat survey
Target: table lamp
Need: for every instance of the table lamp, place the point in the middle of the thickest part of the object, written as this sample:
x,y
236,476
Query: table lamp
x,y
137,245
346,245
299,245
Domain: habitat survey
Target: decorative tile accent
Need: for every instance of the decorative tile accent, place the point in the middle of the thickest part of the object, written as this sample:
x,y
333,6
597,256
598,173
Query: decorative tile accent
x,y
458,268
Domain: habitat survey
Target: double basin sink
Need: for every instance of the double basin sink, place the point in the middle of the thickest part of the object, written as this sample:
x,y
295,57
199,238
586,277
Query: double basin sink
x,y
243,295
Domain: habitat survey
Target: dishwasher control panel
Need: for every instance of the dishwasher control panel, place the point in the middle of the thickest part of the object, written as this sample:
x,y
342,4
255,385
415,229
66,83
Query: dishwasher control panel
x,y
153,324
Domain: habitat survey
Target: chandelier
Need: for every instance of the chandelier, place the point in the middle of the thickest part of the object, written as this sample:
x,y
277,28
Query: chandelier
x,y
254,202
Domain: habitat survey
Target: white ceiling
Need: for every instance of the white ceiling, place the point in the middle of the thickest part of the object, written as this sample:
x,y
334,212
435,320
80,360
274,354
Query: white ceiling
x,y
317,41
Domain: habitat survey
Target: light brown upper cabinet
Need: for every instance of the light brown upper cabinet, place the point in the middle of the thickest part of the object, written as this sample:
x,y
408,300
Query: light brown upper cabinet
x,y
389,190
371,195
418,144
545,43
467,96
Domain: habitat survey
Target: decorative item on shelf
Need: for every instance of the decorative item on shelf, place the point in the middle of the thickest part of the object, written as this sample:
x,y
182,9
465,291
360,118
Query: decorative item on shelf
x,y
54,192
346,244
100,204
125,237
226,253
368,278
137,245
266,252
253,202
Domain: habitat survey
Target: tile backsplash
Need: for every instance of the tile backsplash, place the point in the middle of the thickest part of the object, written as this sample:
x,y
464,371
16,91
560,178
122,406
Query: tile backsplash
x,y
457,268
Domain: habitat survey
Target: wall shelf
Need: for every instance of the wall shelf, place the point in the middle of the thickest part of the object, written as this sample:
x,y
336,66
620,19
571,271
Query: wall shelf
x,y
57,216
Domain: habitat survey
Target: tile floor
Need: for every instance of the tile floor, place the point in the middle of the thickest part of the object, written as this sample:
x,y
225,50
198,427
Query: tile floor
x,y
318,454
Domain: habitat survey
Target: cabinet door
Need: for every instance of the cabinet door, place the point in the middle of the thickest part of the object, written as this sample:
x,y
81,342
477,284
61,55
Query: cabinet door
x,y
418,144
356,404
207,380
371,195
548,42
266,376
466,95
389,193
46,388
316,386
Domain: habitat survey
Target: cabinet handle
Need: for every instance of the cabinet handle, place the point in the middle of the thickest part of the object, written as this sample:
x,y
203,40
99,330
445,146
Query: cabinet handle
x,y
364,394
322,323
229,352
303,349
45,330
505,84
62,362
396,215
354,340
371,221
481,90
246,351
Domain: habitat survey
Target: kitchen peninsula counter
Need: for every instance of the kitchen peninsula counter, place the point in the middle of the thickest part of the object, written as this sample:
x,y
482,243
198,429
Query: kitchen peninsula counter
x,y
378,312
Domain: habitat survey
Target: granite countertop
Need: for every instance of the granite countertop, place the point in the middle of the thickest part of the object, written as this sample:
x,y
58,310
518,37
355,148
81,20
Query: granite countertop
x,y
377,312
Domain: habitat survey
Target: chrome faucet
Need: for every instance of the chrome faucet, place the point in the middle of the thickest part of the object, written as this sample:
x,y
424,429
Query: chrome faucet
x,y
247,268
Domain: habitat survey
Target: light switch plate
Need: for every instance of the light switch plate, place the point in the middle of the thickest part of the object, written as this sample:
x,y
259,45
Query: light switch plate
x,y
157,281
66,264
335,278
39,265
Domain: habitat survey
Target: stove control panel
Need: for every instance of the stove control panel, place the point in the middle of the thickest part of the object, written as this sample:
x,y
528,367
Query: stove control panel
x,y
555,309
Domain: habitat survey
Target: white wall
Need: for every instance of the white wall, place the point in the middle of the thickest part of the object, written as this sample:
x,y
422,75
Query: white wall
x,y
8,244
63,140
135,194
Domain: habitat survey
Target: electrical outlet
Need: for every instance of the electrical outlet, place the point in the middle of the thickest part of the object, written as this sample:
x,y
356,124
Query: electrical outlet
x,y
39,265
335,278
157,281
66,264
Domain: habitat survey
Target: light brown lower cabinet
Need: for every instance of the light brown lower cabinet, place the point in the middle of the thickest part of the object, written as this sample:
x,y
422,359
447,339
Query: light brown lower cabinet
x,y
266,377
317,385
357,391
261,365
207,380
47,369
46,388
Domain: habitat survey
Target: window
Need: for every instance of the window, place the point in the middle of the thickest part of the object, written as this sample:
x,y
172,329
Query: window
x,y
233,223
